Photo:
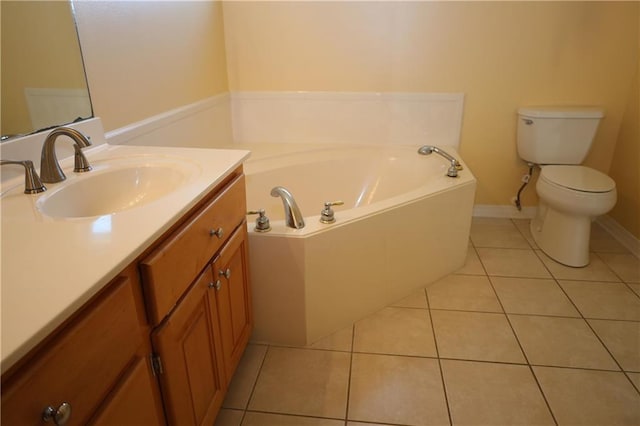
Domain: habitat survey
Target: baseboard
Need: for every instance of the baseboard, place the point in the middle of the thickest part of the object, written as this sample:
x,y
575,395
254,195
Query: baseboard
x,y
510,212
618,232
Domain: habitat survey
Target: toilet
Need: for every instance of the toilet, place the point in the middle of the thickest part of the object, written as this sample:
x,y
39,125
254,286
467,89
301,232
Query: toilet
x,y
570,195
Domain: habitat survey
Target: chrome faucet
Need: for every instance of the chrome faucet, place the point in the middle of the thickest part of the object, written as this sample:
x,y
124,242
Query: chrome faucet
x,y
455,164
50,170
32,183
292,214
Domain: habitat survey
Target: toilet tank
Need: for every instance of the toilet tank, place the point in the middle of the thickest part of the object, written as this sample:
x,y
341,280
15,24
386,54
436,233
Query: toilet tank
x,y
556,135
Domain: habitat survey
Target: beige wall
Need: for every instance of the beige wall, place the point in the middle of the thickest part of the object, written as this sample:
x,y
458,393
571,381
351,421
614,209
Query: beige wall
x,y
625,167
501,55
146,57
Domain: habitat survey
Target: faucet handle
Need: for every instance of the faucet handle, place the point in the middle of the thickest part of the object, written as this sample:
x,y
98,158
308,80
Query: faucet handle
x,y
262,221
327,215
32,182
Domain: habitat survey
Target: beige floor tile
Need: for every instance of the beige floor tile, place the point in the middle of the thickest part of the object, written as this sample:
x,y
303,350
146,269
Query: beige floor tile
x,y
396,389
341,340
561,342
472,264
417,300
602,241
482,393
303,382
635,288
227,417
627,266
635,379
596,270
265,419
588,397
245,377
525,230
622,338
463,292
533,296
475,336
512,263
600,300
495,232
398,331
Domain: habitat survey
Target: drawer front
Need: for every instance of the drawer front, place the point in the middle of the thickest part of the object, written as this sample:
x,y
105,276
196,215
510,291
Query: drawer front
x,y
81,365
169,270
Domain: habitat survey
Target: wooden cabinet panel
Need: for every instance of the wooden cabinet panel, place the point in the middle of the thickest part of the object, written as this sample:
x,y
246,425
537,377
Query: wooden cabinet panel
x,y
234,298
81,363
169,270
192,381
133,402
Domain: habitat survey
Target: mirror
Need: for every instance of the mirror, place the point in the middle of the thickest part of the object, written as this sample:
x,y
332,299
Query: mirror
x,y
43,79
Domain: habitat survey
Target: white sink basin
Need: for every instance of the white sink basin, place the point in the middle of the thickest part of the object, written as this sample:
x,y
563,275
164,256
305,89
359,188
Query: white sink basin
x,y
112,191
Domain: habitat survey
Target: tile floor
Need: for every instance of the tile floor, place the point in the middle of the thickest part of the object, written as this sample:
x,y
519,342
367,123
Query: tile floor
x,y
510,338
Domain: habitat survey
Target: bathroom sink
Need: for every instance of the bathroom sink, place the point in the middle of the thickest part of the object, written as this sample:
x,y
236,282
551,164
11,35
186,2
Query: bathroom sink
x,y
112,190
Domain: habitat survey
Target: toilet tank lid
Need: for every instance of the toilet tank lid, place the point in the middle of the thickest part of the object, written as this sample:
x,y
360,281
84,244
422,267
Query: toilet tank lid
x,y
561,112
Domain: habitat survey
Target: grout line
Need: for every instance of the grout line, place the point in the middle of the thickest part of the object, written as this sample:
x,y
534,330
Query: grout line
x,y
615,273
515,335
525,236
353,338
435,343
255,383
604,345
626,373
306,416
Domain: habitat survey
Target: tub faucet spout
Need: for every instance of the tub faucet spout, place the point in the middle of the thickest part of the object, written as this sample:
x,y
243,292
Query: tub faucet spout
x,y
292,214
455,164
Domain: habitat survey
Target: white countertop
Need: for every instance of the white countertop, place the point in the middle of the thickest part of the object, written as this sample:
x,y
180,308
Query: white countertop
x,y
50,267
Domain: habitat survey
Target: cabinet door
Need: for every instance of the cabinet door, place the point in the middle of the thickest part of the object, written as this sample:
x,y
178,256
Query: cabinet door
x,y
192,379
133,401
82,362
233,298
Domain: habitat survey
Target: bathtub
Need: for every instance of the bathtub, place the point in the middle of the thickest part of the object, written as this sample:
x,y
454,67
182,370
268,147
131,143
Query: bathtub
x,y
403,225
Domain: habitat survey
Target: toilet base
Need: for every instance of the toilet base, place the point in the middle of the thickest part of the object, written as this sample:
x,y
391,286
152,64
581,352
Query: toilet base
x,y
563,237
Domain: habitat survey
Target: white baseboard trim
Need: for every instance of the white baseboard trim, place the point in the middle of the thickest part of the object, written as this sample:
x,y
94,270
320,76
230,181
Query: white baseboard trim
x,y
623,236
129,133
510,212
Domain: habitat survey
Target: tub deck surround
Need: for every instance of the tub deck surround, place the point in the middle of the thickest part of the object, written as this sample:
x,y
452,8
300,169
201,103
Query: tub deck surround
x,y
404,224
51,266
394,118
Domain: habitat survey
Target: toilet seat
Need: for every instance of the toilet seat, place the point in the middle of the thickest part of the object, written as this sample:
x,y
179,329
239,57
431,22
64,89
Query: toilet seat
x,y
577,178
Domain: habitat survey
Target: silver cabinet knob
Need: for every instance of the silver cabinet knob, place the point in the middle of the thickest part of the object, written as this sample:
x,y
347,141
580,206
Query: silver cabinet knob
x,y
226,274
217,232
59,416
217,285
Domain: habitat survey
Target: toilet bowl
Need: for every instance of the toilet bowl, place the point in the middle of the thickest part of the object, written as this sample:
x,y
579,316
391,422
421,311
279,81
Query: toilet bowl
x,y
570,198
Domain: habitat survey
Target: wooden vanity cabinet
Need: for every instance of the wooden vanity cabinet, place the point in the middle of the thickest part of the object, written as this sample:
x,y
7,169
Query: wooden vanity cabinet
x,y
197,289
181,312
94,362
